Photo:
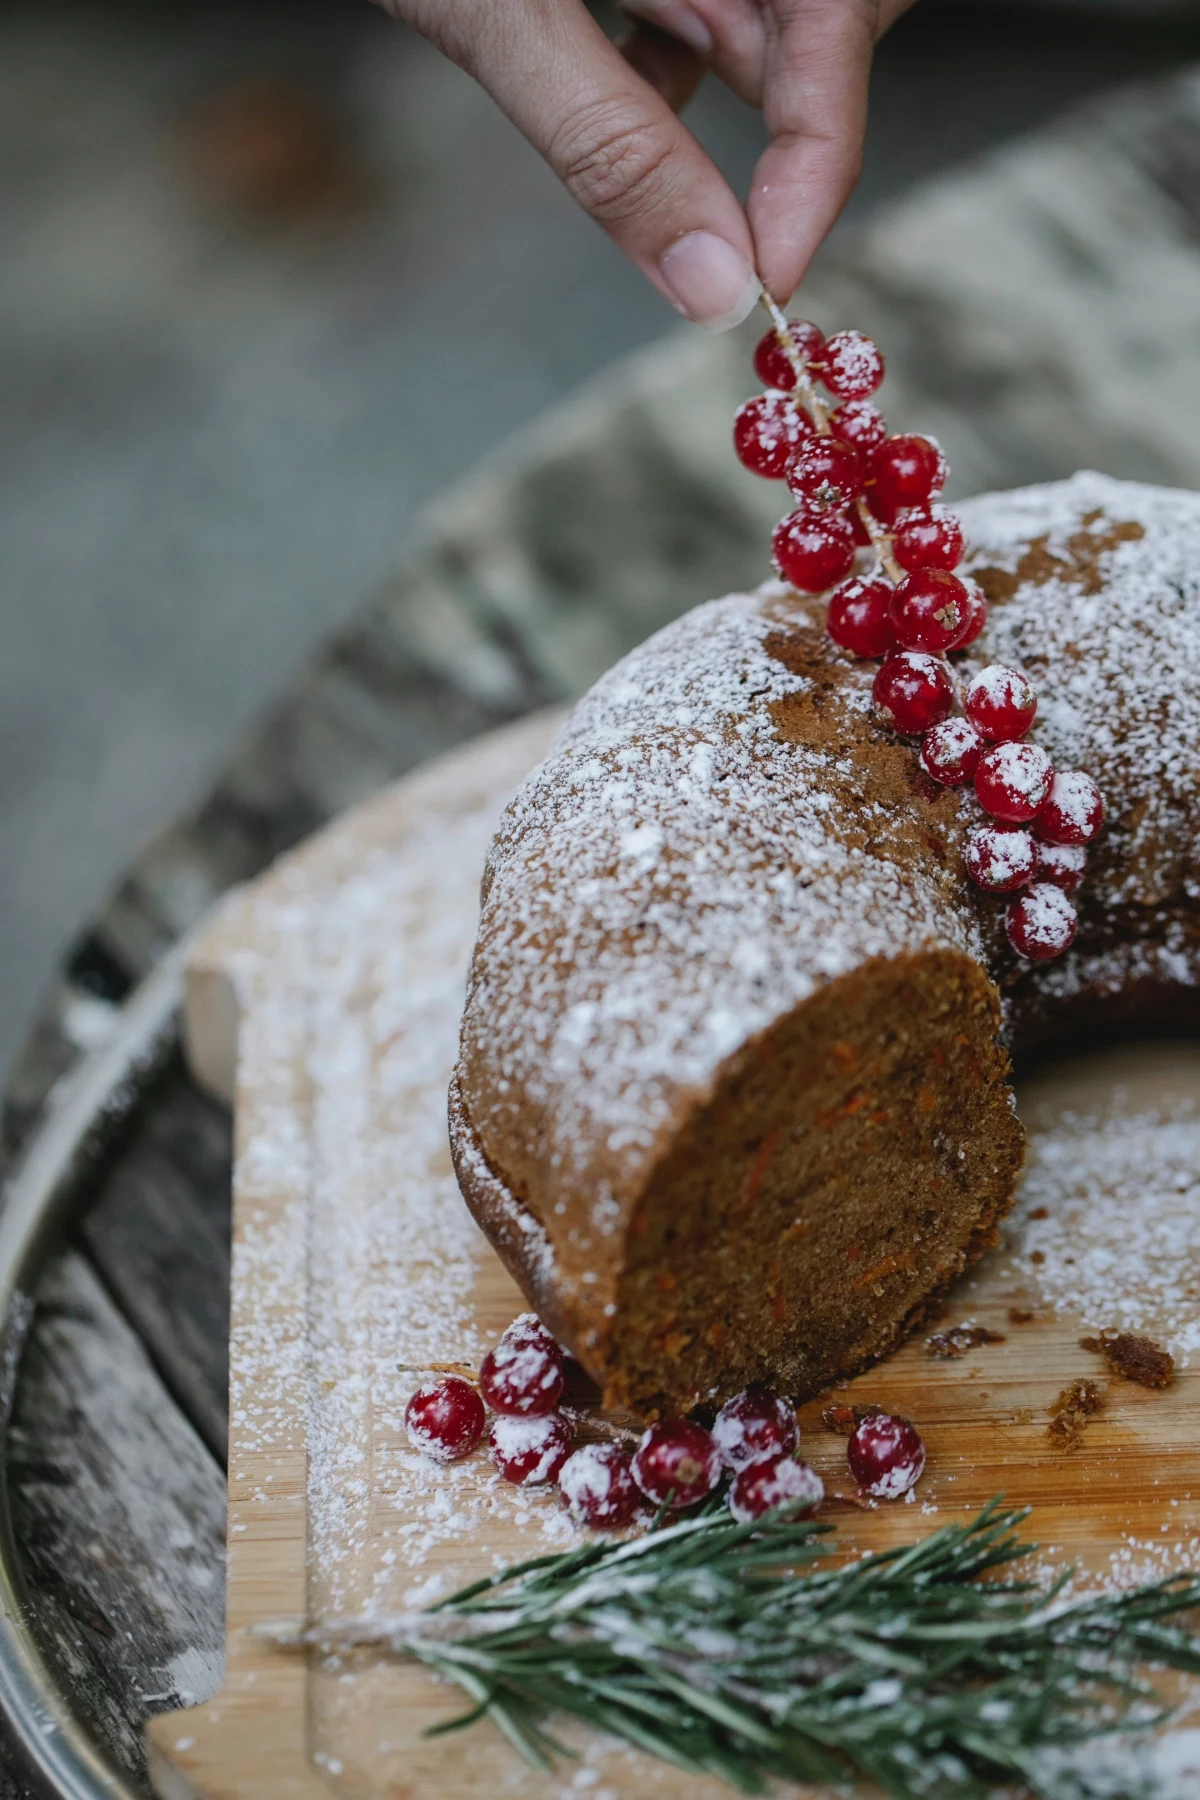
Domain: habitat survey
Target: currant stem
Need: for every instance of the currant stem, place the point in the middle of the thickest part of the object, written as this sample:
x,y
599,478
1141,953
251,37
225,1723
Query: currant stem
x,y
464,1370
880,540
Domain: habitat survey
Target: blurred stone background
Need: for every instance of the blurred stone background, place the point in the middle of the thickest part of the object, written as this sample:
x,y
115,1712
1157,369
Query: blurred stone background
x,y
272,277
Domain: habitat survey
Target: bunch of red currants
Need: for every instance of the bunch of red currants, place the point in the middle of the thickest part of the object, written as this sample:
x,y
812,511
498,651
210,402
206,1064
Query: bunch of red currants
x,y
858,487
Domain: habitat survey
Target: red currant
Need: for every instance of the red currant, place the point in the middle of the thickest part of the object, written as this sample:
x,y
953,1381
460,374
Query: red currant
x,y
977,608
768,431
445,1419
523,1375
849,364
1074,810
530,1451
859,618
813,549
1000,859
928,538
528,1328
950,752
782,1481
826,474
859,423
886,1455
906,470
598,1487
771,362
1013,780
1065,865
1001,703
1040,922
930,611
912,691
676,1463
753,1426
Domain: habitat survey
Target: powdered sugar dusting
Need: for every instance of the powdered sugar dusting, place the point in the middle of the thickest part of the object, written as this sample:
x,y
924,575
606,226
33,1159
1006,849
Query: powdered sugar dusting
x,y
1107,1225
394,1253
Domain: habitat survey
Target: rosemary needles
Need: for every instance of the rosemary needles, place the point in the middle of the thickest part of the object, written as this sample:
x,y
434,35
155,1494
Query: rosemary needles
x,y
729,1650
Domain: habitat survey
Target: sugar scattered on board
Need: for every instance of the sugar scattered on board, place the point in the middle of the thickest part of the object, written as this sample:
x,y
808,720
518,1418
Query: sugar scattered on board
x,y
1107,1223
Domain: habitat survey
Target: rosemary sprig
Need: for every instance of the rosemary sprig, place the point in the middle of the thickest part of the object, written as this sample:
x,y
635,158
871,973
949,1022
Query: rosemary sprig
x,y
703,1643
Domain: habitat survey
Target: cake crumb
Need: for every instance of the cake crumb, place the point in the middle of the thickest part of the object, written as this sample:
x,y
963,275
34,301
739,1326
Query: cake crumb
x,y
1019,1315
1137,1359
945,1345
845,1419
1070,1412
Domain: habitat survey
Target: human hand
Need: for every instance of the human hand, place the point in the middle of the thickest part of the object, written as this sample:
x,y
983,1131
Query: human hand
x,y
604,119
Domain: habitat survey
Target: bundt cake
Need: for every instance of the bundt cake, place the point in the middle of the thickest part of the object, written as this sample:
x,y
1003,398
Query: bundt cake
x,y
732,1101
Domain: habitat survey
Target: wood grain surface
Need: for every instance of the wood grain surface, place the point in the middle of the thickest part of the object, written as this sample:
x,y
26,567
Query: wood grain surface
x,y
355,1262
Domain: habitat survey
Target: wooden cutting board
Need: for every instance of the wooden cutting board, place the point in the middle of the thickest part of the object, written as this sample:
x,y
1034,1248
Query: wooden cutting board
x,y
324,1001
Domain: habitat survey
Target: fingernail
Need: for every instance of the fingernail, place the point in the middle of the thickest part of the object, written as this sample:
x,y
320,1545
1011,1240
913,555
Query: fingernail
x,y
709,281
681,20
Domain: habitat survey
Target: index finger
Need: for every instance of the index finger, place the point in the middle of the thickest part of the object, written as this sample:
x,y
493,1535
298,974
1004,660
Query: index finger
x,y
619,149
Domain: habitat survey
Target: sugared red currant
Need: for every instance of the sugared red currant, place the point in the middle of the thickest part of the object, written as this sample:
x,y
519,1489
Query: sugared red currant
x,y
781,1481
1065,865
928,538
930,611
849,364
529,1451
859,423
1001,703
772,364
912,691
754,1425
826,474
1040,922
523,1375
905,471
812,549
886,1455
977,609
859,618
445,1419
1074,809
950,752
598,1487
528,1328
999,858
1013,780
768,431
676,1462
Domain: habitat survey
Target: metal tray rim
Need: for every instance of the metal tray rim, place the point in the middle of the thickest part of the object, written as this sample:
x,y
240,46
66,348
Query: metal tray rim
x,y
94,1099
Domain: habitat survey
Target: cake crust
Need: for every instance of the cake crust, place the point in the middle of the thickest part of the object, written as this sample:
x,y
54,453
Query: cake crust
x,y
727,949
